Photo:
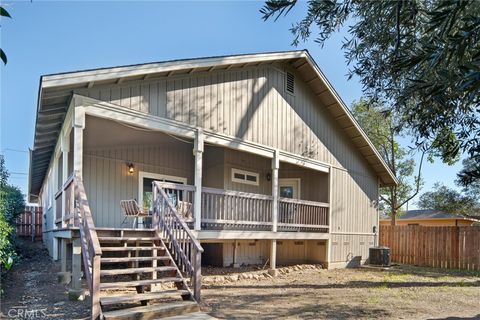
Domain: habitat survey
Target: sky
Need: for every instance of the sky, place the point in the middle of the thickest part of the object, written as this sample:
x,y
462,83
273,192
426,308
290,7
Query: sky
x,y
47,37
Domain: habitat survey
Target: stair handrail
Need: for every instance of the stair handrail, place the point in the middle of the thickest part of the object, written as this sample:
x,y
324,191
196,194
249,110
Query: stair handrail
x,y
184,246
91,250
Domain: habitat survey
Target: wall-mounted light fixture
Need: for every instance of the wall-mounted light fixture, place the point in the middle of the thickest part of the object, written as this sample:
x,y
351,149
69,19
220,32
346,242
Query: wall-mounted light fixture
x,y
131,168
269,176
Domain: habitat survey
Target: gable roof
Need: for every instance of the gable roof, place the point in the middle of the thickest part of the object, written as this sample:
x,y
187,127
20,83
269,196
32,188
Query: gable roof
x,y
55,90
425,214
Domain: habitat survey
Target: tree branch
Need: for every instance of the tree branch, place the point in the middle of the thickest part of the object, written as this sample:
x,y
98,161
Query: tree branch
x,y
386,200
418,182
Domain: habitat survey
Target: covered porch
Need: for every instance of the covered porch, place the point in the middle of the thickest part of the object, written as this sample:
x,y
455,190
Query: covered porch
x,y
218,188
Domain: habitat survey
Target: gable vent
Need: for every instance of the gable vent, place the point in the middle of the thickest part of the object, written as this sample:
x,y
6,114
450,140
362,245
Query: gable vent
x,y
290,83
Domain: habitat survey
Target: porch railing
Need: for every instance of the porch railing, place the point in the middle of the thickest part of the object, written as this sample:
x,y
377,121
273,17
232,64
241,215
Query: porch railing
x,y
66,195
171,204
91,251
298,215
233,209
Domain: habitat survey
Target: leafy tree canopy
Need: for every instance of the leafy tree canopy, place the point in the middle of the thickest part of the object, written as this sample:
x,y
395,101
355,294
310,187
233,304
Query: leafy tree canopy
x,y
423,57
12,203
383,129
450,200
4,13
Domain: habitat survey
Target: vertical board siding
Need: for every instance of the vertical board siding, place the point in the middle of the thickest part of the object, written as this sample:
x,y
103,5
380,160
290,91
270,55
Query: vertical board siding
x,y
258,252
107,180
354,200
351,248
250,104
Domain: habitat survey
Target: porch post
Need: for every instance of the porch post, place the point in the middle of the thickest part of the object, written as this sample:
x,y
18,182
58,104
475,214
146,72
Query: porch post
x,y
198,153
53,185
273,248
78,126
65,149
329,241
76,292
63,275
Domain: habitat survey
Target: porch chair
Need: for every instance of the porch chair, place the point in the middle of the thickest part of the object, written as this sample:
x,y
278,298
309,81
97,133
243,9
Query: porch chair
x,y
130,208
184,209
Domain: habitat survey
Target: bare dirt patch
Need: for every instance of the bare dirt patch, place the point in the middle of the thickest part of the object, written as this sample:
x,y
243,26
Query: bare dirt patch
x,y
305,292
401,293
31,291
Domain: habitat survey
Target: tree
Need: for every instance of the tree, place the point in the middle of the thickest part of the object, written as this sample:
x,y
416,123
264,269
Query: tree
x,y
423,57
4,13
449,200
383,129
12,203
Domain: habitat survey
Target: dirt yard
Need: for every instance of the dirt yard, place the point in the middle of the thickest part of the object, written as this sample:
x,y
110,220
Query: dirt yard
x,y
31,291
311,293
402,293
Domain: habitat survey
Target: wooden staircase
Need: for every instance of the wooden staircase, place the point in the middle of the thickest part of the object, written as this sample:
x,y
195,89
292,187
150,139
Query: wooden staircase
x,y
139,279
138,273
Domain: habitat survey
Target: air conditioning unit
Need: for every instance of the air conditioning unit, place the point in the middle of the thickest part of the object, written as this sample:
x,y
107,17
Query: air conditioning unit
x,y
380,256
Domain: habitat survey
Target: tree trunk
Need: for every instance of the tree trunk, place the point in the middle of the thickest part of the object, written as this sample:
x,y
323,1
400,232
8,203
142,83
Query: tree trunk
x,y
394,217
393,197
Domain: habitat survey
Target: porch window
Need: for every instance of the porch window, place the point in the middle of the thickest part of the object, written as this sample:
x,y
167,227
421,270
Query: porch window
x,y
246,177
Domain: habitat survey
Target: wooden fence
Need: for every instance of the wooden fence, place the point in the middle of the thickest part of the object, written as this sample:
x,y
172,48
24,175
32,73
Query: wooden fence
x,y
29,223
440,247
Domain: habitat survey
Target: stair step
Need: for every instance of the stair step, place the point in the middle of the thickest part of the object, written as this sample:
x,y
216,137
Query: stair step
x,y
132,248
135,297
133,259
153,311
121,284
107,239
124,229
112,272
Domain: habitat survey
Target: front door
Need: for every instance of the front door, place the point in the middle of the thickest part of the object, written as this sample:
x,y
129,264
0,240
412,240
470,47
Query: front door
x,y
145,187
289,188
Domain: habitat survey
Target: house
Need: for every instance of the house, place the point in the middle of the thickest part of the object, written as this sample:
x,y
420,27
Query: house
x,y
428,217
252,159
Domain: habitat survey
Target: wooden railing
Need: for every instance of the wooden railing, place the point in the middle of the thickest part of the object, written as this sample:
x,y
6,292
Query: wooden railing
x,y
302,215
58,207
66,194
183,245
91,251
233,209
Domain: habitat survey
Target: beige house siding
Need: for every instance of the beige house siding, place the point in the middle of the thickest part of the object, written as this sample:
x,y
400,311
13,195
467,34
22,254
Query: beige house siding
x,y
107,180
250,104
288,252
354,198
350,248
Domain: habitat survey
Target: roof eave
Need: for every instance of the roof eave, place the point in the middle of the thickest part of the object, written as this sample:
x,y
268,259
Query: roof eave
x,y
394,180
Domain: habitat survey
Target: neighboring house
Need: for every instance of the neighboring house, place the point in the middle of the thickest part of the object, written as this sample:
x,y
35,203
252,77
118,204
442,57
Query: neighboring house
x,y
264,160
428,218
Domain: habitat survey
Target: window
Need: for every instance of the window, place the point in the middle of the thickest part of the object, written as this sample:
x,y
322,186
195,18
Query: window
x,y
290,83
246,177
